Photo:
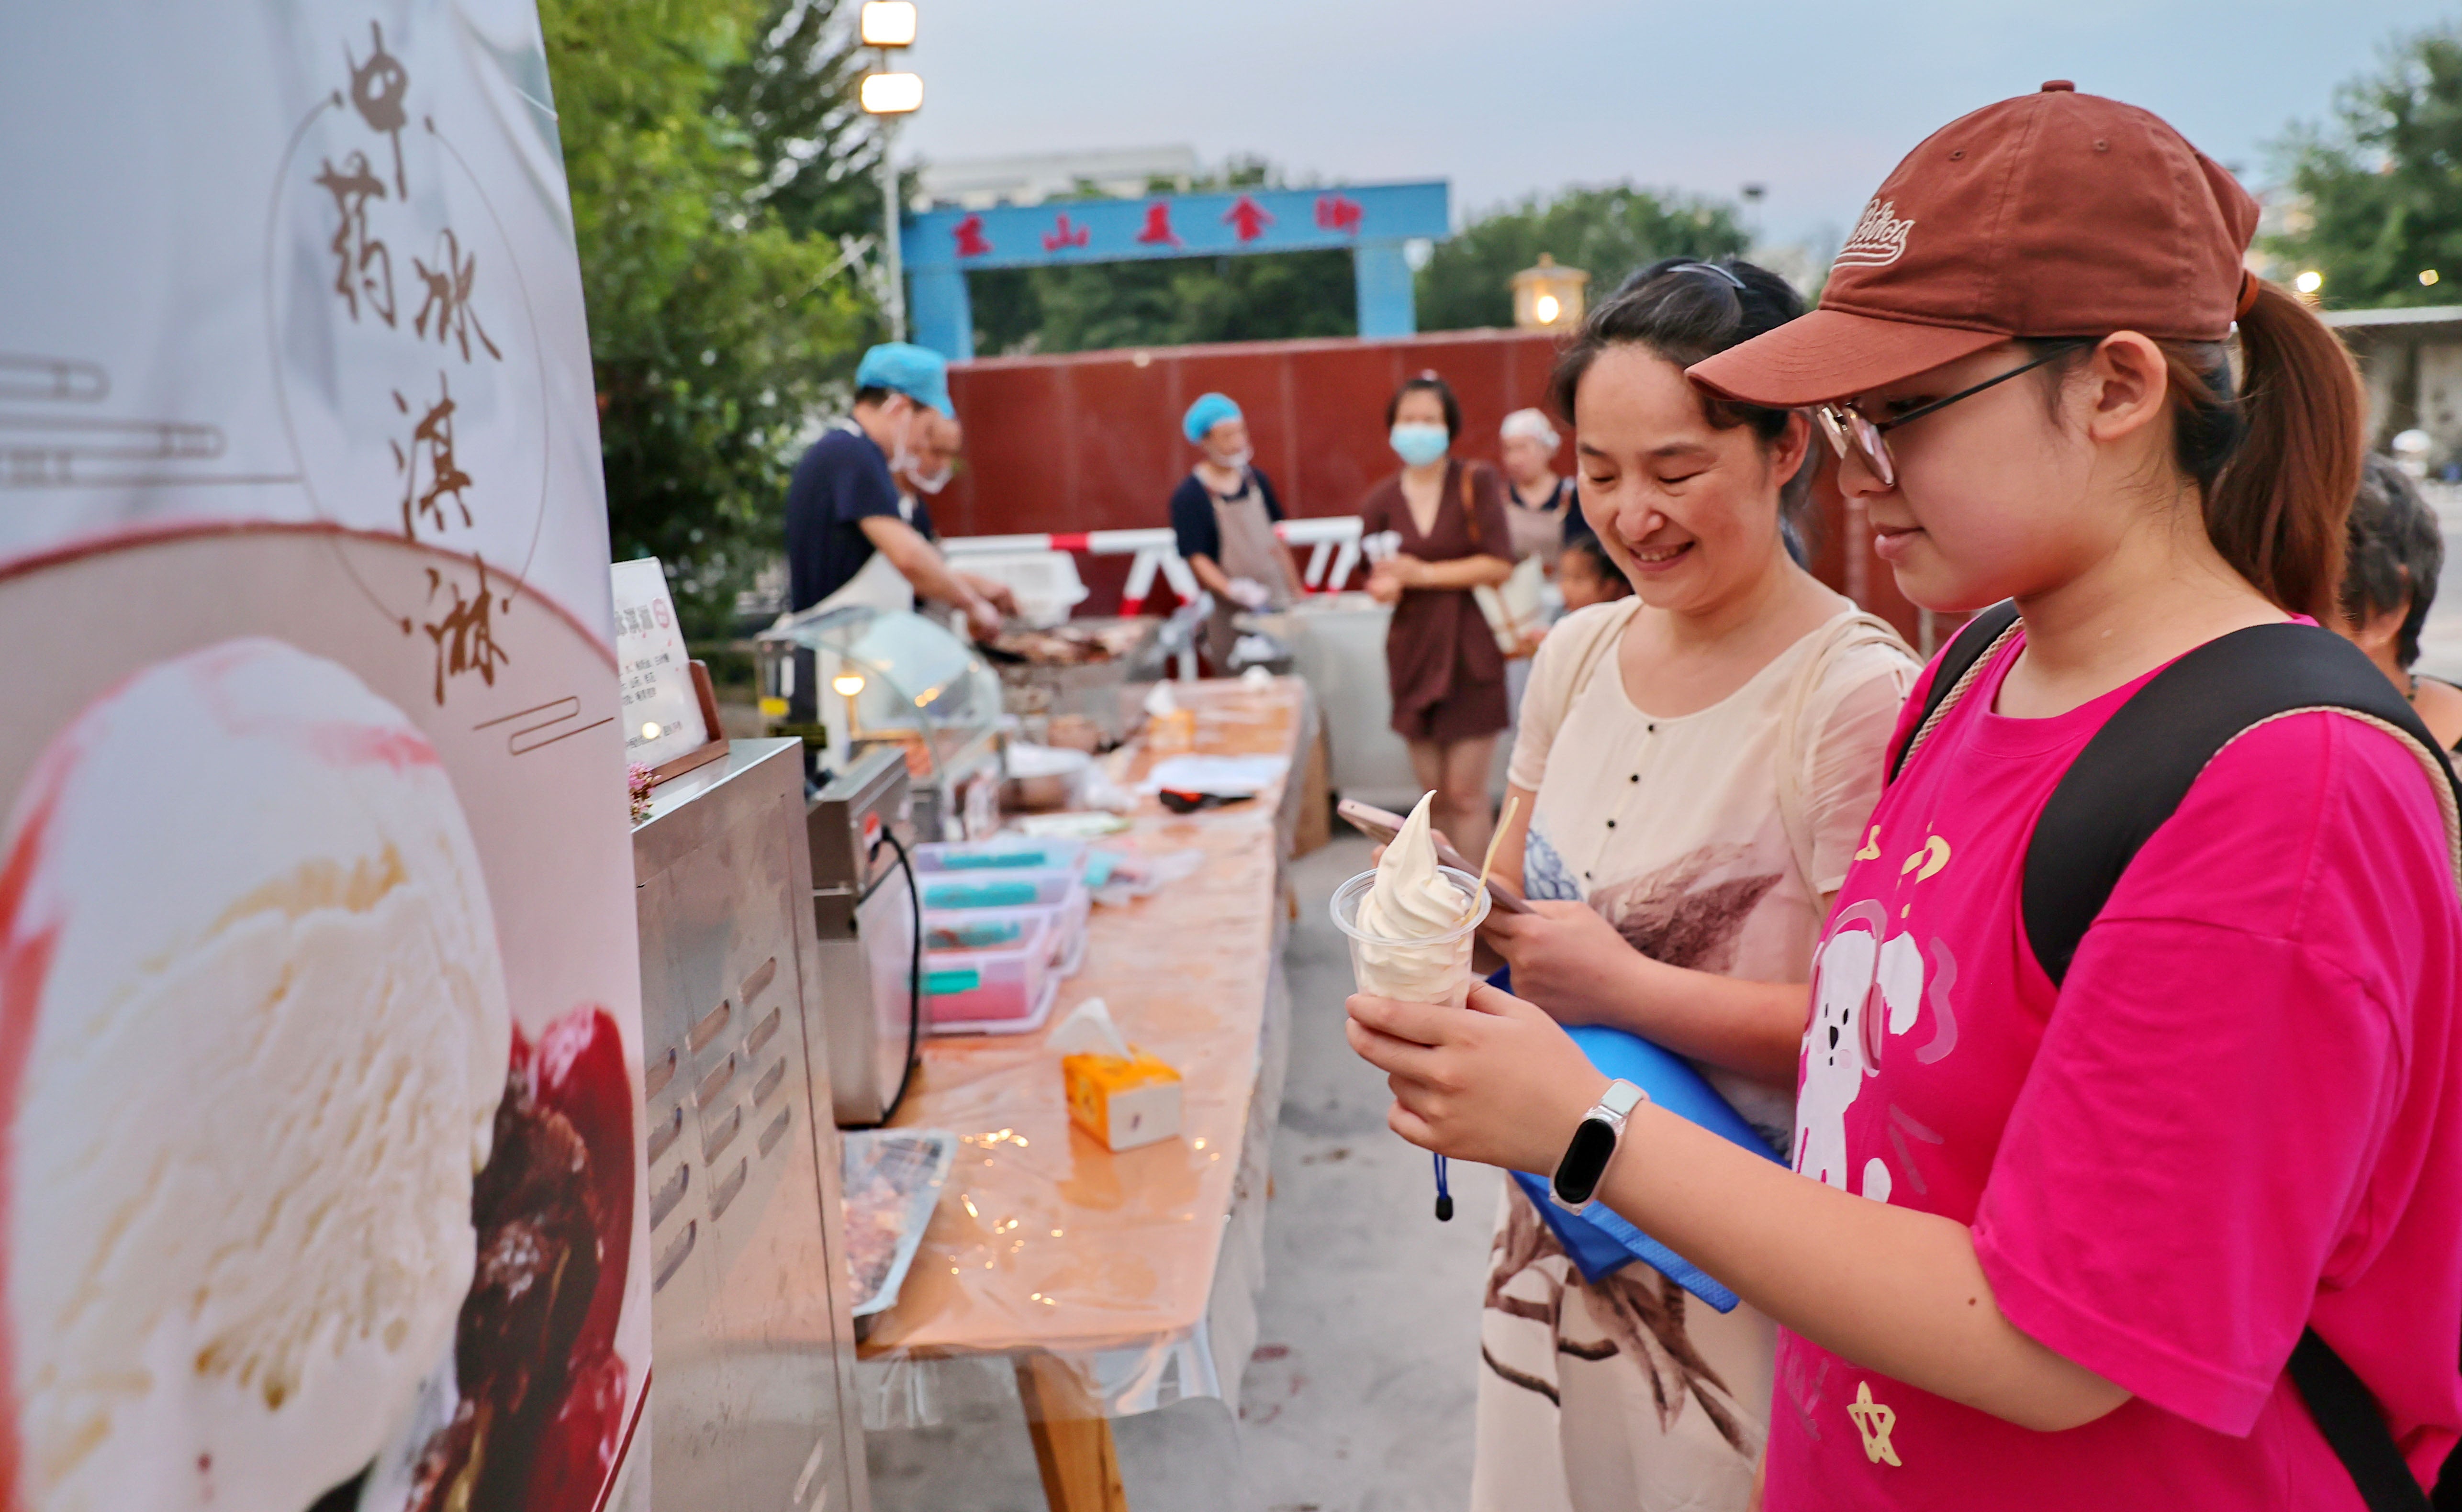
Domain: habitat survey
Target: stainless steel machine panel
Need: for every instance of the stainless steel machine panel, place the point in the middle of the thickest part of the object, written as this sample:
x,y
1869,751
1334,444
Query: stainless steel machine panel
x,y
863,914
752,1401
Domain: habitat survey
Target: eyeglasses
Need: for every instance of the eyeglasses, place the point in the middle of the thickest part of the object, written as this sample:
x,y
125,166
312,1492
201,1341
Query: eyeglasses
x,y
1845,425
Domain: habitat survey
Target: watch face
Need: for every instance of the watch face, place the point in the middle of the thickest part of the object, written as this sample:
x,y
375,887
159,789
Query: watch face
x,y
1586,1160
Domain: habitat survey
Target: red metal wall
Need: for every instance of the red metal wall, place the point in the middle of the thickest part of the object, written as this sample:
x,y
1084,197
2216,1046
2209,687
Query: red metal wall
x,y
1091,441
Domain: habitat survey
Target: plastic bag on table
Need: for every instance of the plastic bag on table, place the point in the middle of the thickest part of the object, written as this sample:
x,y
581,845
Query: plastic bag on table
x,y
1125,875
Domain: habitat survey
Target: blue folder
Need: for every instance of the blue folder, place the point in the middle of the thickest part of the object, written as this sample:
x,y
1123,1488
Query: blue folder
x,y
1598,1239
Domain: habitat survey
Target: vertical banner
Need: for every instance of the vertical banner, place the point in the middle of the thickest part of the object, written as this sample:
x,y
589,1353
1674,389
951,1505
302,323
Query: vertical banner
x,y
319,1012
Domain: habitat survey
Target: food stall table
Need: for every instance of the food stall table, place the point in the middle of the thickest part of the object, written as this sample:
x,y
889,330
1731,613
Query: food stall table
x,y
1118,1283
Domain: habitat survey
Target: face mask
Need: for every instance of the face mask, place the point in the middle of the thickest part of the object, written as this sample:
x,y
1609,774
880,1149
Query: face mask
x,y
933,483
1234,460
901,456
1420,444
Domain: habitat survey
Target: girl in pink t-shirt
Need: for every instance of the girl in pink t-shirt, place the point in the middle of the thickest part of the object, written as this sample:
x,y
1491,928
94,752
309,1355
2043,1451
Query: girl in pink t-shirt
x,y
2053,1246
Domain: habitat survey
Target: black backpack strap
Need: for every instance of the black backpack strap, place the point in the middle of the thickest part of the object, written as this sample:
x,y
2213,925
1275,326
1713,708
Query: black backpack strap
x,y
1965,660
2346,1415
2128,781
2132,775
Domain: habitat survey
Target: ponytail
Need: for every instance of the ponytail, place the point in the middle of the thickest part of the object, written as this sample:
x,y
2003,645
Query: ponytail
x,y
2277,458
2279,464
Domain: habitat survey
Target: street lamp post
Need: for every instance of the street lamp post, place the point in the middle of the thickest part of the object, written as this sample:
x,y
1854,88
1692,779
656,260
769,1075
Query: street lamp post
x,y
891,254
888,26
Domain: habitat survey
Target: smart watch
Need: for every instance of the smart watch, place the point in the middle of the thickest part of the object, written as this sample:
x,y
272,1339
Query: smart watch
x,y
1594,1142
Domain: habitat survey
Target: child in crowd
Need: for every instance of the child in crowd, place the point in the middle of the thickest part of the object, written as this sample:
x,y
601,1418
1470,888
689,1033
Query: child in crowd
x,y
1587,575
2396,554
2094,1225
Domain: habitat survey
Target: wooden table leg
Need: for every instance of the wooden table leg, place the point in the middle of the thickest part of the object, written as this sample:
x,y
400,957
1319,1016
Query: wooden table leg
x,y
1315,825
1073,1439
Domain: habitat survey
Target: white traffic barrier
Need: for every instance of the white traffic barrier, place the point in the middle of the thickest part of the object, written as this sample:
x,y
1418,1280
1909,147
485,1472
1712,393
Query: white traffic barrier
x,y
1333,553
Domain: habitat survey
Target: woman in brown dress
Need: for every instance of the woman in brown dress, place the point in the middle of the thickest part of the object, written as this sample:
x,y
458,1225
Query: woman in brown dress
x,y
1446,672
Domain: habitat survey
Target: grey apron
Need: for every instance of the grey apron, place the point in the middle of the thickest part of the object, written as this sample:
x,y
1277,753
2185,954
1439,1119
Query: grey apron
x,y
1249,550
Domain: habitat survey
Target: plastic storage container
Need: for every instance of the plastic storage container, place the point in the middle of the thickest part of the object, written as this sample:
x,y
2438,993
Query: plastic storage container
x,y
1006,853
1064,926
1024,888
994,976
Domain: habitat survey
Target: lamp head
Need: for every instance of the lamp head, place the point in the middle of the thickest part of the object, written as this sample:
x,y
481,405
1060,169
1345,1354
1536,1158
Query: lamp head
x,y
888,23
892,93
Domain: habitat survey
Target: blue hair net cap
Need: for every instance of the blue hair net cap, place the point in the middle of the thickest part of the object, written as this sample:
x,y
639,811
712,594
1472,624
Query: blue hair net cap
x,y
901,367
1209,411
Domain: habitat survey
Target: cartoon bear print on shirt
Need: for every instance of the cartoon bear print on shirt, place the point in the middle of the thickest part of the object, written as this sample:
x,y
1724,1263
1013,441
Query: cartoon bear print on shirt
x,y
1834,1061
1862,973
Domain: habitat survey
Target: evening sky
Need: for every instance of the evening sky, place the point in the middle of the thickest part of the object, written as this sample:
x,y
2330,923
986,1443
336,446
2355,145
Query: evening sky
x,y
1815,101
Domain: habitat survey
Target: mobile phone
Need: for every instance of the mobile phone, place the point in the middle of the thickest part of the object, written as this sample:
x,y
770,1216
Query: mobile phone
x,y
1381,827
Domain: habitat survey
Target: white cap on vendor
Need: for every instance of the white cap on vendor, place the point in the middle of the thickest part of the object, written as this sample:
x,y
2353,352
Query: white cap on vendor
x,y
1209,411
901,367
1529,424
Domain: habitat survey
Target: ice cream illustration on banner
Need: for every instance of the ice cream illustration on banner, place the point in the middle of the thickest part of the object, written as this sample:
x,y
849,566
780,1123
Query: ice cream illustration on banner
x,y
240,894
239,891
1410,937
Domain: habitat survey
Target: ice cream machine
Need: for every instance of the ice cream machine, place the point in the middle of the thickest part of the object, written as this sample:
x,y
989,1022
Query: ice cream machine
x,y
753,1404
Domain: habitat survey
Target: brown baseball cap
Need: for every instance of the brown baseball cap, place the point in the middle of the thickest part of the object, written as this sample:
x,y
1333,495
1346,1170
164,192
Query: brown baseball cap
x,y
2053,214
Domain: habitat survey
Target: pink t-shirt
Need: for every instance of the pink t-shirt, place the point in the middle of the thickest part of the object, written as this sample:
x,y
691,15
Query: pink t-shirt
x,y
2250,1081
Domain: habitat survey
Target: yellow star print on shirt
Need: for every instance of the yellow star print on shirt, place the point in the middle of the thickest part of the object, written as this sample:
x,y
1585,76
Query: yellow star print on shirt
x,y
1874,1420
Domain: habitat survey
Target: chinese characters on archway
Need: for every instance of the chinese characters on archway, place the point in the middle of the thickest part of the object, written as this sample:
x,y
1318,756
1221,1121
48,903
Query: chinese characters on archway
x,y
1064,233
1248,219
1158,231
373,216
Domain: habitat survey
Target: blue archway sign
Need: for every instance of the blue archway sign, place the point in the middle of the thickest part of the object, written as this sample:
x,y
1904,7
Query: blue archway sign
x,y
1373,219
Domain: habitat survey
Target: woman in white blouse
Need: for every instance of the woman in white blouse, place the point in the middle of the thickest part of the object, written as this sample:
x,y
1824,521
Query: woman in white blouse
x,y
1695,765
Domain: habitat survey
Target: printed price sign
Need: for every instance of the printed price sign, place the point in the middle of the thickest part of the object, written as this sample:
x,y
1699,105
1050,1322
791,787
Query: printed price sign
x,y
661,713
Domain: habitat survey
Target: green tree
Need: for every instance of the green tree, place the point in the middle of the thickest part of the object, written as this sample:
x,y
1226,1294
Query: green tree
x,y
1170,301
1606,232
2378,207
716,330
794,93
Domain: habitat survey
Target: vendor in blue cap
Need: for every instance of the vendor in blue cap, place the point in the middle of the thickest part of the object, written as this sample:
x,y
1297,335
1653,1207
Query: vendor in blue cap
x,y
851,536
1222,515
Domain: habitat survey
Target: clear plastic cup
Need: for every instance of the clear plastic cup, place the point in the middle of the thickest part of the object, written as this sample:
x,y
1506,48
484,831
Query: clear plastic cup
x,y
1435,969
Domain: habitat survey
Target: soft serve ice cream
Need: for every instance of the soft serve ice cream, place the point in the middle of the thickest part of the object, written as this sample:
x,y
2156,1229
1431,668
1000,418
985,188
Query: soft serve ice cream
x,y
253,1032
1416,944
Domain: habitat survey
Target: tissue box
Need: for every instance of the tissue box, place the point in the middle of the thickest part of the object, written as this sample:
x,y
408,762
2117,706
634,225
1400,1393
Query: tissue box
x,y
1124,1101
1171,733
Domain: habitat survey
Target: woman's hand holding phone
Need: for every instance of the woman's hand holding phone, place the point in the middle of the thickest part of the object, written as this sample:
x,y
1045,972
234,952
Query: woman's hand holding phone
x,y
1381,827
1565,955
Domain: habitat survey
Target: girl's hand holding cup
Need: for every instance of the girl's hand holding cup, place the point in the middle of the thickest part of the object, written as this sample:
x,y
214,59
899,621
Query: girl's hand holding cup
x,y
1501,1084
